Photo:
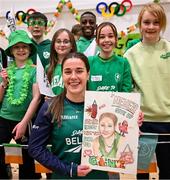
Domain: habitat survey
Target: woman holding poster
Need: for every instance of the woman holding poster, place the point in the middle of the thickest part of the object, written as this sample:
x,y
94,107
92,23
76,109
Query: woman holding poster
x,y
61,120
150,65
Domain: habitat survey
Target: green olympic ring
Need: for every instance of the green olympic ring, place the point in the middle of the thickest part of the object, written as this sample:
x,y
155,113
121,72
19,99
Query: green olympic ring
x,y
123,12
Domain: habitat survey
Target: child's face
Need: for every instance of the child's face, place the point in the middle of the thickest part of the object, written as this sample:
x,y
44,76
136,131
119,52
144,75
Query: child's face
x,y
150,27
106,39
21,51
63,44
106,127
88,24
36,27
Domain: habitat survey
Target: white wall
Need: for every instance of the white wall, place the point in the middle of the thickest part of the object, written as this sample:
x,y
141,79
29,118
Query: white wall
x,y
49,5
67,19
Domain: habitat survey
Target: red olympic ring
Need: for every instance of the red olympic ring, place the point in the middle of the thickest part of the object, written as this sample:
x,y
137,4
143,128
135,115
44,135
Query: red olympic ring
x,y
30,11
127,1
117,8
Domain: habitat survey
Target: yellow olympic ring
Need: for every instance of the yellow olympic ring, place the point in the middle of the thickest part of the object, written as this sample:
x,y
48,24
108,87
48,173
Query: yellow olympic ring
x,y
107,15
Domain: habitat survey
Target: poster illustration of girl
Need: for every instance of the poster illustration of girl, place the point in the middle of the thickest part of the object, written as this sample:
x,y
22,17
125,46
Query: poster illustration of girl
x,y
110,138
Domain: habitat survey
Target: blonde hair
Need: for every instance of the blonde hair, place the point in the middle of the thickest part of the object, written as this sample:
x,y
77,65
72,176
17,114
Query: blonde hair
x,y
156,10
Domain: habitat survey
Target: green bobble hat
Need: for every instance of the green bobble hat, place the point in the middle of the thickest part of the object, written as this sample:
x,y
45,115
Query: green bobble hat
x,y
19,36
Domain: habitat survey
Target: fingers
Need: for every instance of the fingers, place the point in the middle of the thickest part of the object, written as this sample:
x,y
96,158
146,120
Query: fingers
x,y
140,118
17,133
83,170
13,131
4,73
140,133
4,76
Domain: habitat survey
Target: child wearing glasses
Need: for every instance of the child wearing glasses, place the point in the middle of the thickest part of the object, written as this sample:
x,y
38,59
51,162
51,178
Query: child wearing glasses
x,y
63,43
37,26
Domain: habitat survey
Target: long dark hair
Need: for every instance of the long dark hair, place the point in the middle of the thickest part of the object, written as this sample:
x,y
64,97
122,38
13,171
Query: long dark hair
x,y
104,24
57,105
53,53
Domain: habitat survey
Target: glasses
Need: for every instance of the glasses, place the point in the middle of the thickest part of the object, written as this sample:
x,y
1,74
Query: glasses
x,y
65,42
36,22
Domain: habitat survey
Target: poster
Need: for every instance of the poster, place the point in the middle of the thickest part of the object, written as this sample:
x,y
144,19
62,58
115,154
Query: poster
x,y
110,131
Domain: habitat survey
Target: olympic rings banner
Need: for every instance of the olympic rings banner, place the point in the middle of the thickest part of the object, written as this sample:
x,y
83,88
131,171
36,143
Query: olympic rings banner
x,y
21,16
114,8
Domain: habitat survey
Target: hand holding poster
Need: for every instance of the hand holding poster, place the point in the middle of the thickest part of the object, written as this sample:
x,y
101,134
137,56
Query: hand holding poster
x,y
110,131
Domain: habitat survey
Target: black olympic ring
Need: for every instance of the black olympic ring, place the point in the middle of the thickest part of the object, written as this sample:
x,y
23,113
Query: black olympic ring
x,y
22,14
116,8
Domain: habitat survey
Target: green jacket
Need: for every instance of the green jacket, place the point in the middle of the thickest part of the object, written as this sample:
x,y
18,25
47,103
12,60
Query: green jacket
x,y
43,50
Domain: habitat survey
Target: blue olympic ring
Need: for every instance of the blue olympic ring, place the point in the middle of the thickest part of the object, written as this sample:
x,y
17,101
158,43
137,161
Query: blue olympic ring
x,y
7,14
101,3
